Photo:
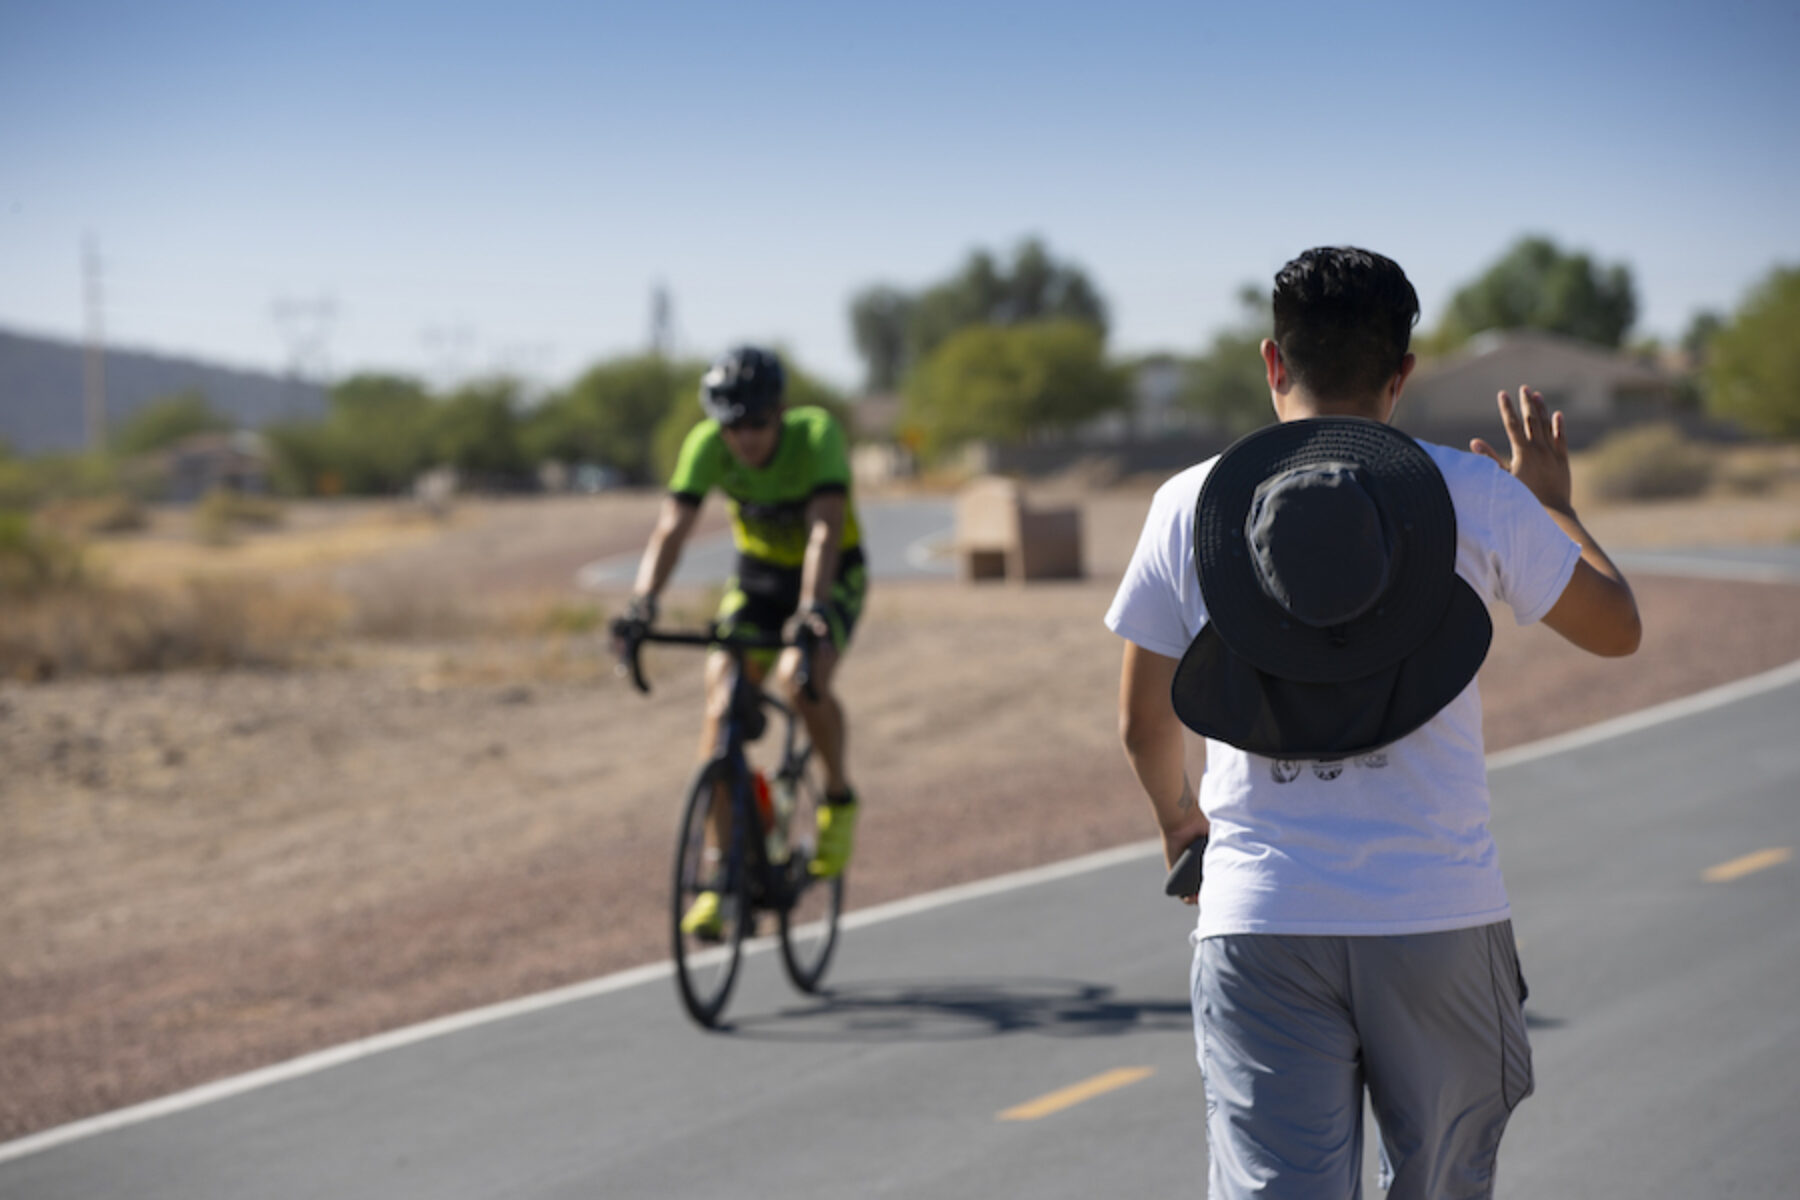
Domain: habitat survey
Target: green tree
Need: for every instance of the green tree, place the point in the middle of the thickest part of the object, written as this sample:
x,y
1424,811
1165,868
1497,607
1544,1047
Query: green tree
x,y
302,457
611,414
1228,382
1536,285
375,439
379,434
1753,364
879,317
476,430
895,332
164,422
1701,331
1006,383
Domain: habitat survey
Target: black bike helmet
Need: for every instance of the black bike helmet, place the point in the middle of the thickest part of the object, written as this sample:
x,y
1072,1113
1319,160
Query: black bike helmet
x,y
745,382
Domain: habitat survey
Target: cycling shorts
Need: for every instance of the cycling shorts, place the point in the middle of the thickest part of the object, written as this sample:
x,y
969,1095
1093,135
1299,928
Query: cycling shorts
x,y
760,597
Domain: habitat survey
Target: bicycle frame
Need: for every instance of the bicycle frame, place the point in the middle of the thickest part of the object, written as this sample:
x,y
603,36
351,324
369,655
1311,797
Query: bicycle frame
x,y
743,723
746,879
749,702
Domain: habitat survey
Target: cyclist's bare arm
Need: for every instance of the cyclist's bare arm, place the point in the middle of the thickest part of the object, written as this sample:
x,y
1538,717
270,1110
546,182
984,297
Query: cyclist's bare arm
x,y
1597,610
825,530
673,524
1156,746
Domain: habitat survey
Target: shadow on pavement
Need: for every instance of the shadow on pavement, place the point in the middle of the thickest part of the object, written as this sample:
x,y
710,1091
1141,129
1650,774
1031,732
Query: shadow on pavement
x,y
954,1009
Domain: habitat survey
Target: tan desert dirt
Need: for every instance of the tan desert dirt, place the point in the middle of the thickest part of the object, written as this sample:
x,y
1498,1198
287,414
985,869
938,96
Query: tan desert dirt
x,y
204,873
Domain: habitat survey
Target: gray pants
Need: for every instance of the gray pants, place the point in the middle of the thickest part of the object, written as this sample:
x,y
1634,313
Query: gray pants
x,y
1291,1029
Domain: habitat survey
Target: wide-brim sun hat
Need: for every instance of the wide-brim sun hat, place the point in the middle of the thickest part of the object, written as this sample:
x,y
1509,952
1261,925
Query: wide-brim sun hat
x,y
1336,622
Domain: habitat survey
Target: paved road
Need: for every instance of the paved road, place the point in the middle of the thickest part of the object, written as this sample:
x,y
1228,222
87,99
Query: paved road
x,y
1666,1031
903,538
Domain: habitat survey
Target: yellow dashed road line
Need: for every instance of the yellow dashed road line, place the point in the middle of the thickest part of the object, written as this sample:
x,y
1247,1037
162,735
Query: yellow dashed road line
x,y
1737,868
1099,1085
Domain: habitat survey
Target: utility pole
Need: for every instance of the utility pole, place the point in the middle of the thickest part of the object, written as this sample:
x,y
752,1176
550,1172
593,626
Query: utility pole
x,y
662,322
94,359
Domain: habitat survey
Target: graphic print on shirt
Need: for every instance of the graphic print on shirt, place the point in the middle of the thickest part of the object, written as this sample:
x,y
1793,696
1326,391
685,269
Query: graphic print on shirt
x,y
1286,770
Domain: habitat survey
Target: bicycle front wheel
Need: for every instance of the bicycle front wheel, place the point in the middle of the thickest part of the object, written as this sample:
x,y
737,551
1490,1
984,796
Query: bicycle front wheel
x,y
707,952
809,922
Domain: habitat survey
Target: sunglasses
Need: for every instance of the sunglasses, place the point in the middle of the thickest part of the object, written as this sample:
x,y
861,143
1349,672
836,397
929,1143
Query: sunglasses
x,y
752,424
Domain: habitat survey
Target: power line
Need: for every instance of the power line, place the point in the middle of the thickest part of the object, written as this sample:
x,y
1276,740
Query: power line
x,y
305,327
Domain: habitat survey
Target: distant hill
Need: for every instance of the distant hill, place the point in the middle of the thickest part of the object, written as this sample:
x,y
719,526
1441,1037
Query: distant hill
x,y
41,390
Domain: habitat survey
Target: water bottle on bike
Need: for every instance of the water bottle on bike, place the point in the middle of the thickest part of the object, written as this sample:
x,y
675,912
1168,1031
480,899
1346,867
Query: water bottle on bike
x,y
774,810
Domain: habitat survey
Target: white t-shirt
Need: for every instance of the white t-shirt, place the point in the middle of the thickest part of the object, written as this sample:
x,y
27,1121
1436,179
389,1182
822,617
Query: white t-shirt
x,y
1385,843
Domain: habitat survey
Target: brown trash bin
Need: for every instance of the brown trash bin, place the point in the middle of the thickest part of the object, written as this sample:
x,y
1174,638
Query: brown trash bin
x,y
999,536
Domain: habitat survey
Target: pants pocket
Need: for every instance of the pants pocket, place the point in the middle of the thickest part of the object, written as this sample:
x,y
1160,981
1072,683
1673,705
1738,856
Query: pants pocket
x,y
1516,1079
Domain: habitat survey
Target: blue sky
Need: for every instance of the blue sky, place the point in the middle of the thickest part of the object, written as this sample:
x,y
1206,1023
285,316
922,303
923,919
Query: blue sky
x,y
501,186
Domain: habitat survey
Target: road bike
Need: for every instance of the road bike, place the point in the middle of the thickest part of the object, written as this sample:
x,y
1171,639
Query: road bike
x,y
762,828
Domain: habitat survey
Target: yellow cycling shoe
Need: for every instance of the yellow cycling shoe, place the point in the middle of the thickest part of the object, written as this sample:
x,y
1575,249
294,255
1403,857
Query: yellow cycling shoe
x,y
837,838
703,918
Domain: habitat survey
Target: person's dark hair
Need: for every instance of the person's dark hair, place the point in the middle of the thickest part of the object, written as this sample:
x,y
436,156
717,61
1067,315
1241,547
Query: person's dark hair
x,y
744,383
1343,320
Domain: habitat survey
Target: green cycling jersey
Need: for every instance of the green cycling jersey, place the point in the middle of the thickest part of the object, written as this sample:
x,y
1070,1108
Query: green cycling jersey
x,y
768,503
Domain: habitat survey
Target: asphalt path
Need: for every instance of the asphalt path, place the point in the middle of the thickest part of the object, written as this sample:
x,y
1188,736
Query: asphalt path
x,y
1654,886
904,538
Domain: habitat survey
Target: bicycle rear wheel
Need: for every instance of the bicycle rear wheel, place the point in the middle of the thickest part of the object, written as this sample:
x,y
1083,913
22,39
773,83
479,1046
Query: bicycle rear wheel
x,y
706,961
809,924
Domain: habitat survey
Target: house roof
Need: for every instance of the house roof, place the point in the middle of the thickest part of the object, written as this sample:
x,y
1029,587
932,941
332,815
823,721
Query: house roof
x,y
1535,350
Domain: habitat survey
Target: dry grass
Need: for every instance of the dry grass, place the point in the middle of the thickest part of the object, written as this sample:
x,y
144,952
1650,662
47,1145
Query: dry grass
x,y
97,628
311,538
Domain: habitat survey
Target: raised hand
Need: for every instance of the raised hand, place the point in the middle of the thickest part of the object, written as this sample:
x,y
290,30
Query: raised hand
x,y
1540,449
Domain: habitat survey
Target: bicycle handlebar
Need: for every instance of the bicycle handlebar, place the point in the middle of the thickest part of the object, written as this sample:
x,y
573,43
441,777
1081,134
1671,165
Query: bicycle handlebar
x,y
631,636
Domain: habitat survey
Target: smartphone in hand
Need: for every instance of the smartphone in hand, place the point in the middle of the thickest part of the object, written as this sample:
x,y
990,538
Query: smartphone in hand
x,y
1184,876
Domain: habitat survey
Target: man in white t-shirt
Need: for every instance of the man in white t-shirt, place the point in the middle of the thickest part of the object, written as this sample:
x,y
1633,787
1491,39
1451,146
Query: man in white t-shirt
x,y
1314,602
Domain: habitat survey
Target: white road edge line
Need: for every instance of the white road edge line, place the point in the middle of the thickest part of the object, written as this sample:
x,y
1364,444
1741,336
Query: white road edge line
x,y
1696,566
1671,710
321,1060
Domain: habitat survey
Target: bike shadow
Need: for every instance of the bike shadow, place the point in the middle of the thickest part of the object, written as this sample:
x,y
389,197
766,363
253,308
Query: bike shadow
x,y
941,1010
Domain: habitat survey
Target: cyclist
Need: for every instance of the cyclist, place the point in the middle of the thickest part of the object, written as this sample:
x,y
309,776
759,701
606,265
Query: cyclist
x,y
785,473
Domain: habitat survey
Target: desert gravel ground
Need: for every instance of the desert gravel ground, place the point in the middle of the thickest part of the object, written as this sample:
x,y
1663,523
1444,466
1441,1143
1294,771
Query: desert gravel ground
x,y
201,873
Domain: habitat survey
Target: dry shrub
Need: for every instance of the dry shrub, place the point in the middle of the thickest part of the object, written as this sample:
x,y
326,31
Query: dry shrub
x,y
222,513
1651,462
94,516
1754,471
565,618
33,559
97,629
399,610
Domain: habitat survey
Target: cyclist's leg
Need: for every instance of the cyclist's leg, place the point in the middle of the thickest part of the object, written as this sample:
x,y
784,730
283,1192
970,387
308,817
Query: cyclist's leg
x,y
824,717
825,721
736,611
739,612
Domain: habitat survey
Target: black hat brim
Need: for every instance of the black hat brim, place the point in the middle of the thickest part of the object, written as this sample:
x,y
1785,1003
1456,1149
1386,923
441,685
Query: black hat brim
x,y
1219,694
